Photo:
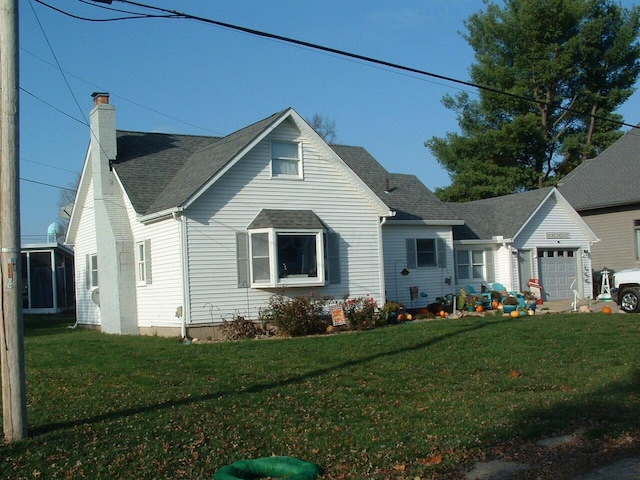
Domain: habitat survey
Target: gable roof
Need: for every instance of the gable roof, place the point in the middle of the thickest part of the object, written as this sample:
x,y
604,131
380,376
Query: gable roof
x,y
402,193
160,172
499,216
608,180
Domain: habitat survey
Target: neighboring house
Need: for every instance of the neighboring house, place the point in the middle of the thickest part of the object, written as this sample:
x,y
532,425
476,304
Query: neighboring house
x,y
47,278
515,238
604,190
174,233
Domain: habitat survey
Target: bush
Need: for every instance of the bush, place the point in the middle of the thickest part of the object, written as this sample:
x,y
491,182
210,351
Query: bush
x,y
241,329
388,313
361,312
296,317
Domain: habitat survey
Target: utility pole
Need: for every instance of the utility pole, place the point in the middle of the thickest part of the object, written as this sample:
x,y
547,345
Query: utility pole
x,y
14,396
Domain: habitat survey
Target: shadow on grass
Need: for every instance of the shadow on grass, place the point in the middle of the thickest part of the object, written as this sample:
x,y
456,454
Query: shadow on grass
x,y
253,389
605,422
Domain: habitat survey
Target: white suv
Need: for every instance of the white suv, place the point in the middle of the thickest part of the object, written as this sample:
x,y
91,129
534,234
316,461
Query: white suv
x,y
626,290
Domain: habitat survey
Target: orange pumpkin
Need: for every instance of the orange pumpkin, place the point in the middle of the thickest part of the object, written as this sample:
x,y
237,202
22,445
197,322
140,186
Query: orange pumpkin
x,y
515,314
400,317
409,316
442,313
479,308
606,309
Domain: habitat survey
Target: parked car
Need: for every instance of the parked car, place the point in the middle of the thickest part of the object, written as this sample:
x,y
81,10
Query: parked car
x,y
626,290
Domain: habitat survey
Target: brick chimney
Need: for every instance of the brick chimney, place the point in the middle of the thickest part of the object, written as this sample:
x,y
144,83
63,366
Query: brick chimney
x,y
100,98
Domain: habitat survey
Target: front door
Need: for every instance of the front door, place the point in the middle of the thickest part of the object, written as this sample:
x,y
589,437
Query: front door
x,y
525,267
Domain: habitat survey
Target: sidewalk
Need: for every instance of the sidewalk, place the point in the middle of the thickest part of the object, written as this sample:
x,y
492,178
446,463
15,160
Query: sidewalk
x,y
559,306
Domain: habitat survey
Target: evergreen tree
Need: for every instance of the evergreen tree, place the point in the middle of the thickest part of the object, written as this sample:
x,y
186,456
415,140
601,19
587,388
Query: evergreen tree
x,y
566,66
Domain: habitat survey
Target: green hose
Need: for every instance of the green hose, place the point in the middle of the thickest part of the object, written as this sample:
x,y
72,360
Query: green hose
x,y
285,467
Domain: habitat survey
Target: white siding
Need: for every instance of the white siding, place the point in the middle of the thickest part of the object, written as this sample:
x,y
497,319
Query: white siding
x,y
87,311
558,217
236,199
429,280
158,301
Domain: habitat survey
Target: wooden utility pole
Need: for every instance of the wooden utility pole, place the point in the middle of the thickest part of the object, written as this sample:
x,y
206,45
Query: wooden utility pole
x,y
14,396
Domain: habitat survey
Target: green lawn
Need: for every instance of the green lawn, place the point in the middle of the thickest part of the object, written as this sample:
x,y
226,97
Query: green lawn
x,y
410,401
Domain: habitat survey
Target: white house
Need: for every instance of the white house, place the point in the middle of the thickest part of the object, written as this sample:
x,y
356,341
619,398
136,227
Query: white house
x,y
174,233
532,235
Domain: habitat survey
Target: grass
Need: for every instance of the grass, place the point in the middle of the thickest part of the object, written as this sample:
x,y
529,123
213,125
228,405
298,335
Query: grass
x,y
410,401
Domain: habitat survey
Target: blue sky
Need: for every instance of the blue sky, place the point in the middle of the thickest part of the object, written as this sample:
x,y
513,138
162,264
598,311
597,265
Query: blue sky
x,y
182,76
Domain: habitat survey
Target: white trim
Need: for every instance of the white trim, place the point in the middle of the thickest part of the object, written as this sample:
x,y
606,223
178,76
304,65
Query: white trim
x,y
152,217
492,241
406,223
274,276
186,303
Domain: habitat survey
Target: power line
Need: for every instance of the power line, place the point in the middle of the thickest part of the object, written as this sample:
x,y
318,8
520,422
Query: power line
x,y
343,53
48,184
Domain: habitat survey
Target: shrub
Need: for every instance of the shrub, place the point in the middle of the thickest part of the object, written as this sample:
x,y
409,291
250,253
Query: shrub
x,y
241,329
295,317
388,313
361,312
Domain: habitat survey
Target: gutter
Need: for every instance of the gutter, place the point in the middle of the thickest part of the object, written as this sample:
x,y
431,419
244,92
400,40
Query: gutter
x,y
162,215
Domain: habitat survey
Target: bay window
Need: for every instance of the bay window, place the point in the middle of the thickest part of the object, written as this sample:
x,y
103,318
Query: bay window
x,y
284,257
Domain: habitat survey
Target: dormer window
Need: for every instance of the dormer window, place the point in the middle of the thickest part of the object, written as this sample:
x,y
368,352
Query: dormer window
x,y
286,159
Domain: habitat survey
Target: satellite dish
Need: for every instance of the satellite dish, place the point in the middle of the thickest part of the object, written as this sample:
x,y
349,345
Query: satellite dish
x,y
95,297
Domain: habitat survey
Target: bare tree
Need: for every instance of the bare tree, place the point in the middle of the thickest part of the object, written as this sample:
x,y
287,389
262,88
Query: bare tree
x,y
324,126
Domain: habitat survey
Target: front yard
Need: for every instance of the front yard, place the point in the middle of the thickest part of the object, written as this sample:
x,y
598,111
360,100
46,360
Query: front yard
x,y
418,400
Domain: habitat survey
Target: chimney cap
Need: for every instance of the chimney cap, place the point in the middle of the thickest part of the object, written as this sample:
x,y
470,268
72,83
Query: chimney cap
x,y
100,98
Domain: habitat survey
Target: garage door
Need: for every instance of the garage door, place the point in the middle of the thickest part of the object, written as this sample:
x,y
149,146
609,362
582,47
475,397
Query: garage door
x,y
558,269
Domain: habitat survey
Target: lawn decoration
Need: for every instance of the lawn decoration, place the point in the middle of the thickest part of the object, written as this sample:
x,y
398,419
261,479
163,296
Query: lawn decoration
x,y
606,309
282,467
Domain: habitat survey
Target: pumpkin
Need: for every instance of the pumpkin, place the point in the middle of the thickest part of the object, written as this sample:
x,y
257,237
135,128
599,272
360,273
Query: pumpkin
x,y
442,313
409,316
606,309
479,308
515,314
400,317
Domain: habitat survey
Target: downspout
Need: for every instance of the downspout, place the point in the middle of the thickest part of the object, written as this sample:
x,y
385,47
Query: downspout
x,y
383,289
186,307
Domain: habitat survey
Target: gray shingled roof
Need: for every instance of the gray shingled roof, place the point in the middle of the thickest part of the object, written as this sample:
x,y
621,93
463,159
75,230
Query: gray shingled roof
x,y
163,171
608,180
405,194
496,216
302,219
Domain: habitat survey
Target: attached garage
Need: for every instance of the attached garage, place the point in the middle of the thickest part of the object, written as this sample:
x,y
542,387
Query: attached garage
x,y
558,269
534,234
